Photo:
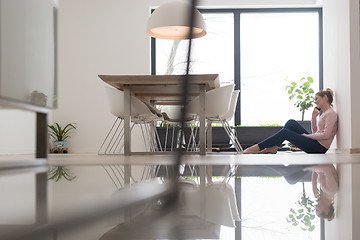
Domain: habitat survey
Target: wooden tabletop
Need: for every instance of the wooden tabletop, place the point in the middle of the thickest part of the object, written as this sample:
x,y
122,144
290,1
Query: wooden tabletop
x,y
162,89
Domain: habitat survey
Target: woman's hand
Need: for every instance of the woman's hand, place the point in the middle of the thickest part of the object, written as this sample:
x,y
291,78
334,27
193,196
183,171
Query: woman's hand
x,y
315,113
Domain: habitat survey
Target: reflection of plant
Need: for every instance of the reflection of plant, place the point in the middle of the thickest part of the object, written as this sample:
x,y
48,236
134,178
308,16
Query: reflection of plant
x,y
303,93
61,134
305,213
59,172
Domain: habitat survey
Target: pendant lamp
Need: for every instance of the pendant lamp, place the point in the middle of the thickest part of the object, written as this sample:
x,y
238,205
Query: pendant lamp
x,y
171,21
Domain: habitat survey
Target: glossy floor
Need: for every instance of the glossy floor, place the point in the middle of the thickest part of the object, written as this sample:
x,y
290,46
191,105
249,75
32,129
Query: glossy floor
x,y
221,196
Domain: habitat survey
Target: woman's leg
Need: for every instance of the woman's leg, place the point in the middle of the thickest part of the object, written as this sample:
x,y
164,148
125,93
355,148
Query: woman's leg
x,y
292,125
306,144
295,126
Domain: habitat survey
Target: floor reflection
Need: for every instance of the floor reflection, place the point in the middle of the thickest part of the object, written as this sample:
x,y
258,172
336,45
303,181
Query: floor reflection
x,y
214,201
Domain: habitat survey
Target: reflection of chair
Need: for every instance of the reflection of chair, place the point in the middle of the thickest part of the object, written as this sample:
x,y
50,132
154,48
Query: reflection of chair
x,y
220,205
140,114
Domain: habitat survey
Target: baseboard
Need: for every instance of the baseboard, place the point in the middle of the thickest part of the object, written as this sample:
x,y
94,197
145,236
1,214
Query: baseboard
x,y
344,150
355,150
16,151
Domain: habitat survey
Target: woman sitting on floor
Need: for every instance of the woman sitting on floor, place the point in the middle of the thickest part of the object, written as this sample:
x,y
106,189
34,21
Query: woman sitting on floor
x,y
319,141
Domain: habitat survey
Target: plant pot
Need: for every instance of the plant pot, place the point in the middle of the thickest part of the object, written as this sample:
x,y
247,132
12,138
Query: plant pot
x,y
59,144
249,136
171,141
306,125
220,139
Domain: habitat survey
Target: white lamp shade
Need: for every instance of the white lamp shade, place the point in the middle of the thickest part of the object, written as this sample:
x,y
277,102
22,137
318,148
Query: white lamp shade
x,y
171,21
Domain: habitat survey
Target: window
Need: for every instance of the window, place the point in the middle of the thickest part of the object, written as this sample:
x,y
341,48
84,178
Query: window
x,y
257,49
275,47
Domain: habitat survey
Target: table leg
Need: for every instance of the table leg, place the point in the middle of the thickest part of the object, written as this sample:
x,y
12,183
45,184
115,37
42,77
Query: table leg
x,y
209,136
203,200
202,122
127,130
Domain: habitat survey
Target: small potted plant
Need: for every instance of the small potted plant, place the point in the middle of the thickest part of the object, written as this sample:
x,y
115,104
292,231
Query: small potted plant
x,y
59,135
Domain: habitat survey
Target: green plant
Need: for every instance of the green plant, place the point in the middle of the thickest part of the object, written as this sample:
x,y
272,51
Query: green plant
x,y
59,172
61,134
304,214
303,93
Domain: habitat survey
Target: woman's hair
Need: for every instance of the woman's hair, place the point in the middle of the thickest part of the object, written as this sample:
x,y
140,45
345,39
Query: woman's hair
x,y
330,216
328,92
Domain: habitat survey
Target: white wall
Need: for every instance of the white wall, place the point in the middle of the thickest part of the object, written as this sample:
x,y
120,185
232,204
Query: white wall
x,y
17,132
341,72
337,64
107,37
355,74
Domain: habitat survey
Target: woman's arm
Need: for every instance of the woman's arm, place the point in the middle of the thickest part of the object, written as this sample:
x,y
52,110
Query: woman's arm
x,y
315,113
330,121
314,182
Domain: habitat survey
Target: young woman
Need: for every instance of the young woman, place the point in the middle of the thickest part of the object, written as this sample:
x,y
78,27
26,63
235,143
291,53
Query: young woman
x,y
324,130
327,178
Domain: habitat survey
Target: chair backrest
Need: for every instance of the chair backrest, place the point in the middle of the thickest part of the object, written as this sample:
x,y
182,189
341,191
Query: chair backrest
x,y
116,99
232,106
173,111
217,102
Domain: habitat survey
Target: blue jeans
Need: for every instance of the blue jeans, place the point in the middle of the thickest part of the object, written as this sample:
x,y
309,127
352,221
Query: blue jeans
x,y
292,131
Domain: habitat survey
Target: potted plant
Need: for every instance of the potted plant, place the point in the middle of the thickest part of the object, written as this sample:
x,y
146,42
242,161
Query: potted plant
x,y
304,95
59,135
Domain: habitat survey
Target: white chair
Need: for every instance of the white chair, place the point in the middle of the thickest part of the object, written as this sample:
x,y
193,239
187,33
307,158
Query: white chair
x,y
172,116
217,104
140,114
224,120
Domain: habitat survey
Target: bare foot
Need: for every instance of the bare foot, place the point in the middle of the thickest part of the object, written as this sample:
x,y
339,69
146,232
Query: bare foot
x,y
254,149
270,150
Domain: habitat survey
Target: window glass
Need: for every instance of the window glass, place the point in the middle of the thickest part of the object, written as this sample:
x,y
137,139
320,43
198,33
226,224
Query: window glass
x,y
275,47
265,206
213,53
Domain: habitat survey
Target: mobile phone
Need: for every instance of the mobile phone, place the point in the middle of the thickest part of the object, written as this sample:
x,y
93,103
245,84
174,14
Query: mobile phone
x,y
319,109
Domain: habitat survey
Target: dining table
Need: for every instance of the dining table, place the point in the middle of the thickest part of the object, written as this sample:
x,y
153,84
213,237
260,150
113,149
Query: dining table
x,y
163,90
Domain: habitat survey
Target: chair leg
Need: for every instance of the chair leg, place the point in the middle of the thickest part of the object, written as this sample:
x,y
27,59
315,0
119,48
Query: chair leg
x,y
116,142
172,138
110,137
157,140
150,135
232,136
144,137
192,140
166,137
113,176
